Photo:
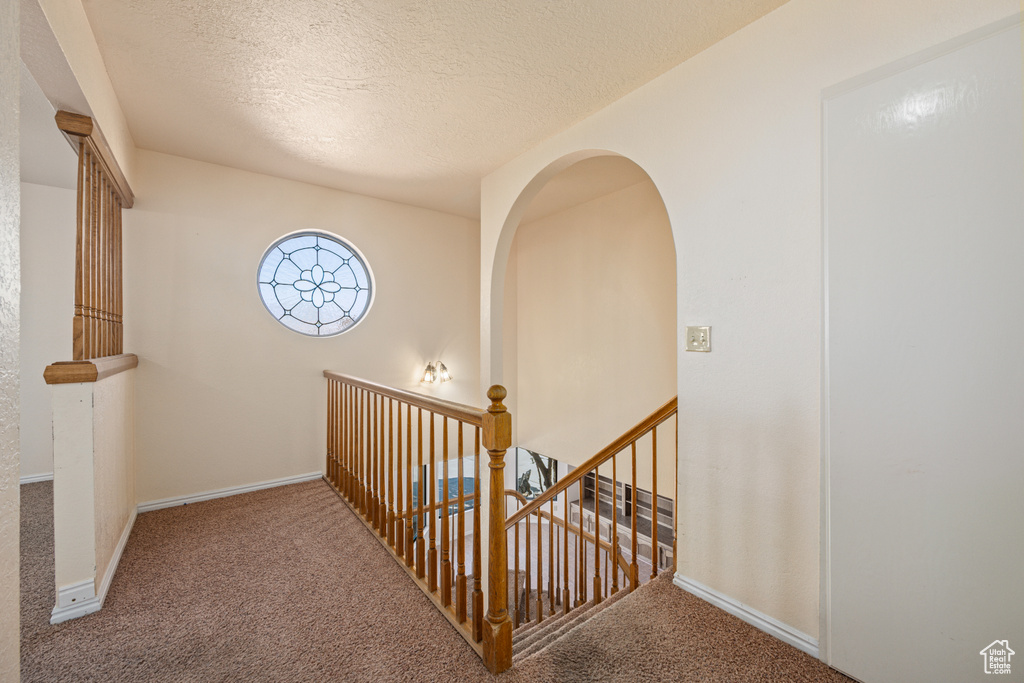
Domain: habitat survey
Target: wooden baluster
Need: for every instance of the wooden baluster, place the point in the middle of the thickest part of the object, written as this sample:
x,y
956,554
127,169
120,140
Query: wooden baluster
x,y
558,563
446,563
371,459
409,540
115,285
349,441
357,430
551,557
101,219
655,555
391,473
375,456
460,579
565,554
342,434
107,261
81,210
399,522
675,527
615,528
375,471
339,435
94,258
368,466
353,445
497,428
540,567
332,435
85,234
367,456
634,569
420,519
353,416
606,553
478,594
432,552
370,462
120,280
451,547
528,547
597,534
90,173
382,480
516,611
343,455
581,557
360,494
330,430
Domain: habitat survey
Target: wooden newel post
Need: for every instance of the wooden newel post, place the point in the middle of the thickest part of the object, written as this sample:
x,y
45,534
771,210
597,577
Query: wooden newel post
x,y
497,437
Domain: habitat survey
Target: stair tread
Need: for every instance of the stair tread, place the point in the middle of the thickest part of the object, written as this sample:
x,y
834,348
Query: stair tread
x,y
535,629
544,637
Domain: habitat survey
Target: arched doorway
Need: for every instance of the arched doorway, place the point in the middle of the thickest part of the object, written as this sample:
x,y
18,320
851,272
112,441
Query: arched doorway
x,y
588,308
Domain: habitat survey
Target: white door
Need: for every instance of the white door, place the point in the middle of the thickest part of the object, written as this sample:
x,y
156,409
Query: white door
x,y
924,357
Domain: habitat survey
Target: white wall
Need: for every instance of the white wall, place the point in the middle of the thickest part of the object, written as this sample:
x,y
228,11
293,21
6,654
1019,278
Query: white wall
x,y
596,324
93,488
10,285
48,305
924,173
225,395
114,466
732,141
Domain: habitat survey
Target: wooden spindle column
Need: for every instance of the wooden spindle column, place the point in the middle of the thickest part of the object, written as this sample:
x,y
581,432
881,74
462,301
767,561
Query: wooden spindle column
x,y
497,437
97,328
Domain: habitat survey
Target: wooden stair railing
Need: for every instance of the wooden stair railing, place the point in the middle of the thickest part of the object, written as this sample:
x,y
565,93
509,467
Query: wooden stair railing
x,y
102,193
571,548
558,595
380,465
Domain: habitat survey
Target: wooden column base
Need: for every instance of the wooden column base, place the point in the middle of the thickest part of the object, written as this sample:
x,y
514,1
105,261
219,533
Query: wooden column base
x,y
498,645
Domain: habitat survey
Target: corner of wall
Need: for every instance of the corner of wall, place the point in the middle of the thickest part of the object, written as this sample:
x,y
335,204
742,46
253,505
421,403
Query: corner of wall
x,y
10,320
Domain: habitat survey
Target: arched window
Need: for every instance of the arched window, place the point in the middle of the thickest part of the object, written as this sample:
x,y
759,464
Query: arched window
x,y
315,283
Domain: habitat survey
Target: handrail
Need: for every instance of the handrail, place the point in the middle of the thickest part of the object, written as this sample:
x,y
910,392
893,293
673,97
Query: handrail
x,y
515,494
648,423
93,370
85,129
429,507
464,413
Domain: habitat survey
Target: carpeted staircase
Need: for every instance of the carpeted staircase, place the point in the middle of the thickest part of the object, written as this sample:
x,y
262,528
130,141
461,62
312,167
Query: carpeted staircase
x,y
530,639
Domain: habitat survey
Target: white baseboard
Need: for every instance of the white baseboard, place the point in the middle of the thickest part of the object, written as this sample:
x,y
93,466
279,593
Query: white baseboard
x,y
36,478
75,600
78,599
769,625
222,493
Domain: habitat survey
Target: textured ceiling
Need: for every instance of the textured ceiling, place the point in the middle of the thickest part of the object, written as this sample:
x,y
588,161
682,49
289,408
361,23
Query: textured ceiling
x,y
407,100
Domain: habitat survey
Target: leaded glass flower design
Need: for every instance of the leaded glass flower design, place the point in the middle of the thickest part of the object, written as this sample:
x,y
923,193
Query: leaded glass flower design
x,y
315,283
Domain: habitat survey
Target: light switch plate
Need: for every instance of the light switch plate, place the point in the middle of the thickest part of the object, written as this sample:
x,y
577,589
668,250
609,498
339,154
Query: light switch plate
x,y
698,338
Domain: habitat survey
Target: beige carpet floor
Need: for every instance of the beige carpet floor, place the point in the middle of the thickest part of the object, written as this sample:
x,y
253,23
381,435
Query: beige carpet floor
x,y
287,585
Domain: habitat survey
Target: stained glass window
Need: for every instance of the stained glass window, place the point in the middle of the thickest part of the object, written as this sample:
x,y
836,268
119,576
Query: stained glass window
x,y
315,283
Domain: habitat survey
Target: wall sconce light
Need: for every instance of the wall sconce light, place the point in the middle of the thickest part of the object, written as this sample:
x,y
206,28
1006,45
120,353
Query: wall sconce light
x,y
436,372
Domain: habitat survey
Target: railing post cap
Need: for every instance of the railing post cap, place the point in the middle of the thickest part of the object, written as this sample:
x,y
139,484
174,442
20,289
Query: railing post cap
x,y
496,394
